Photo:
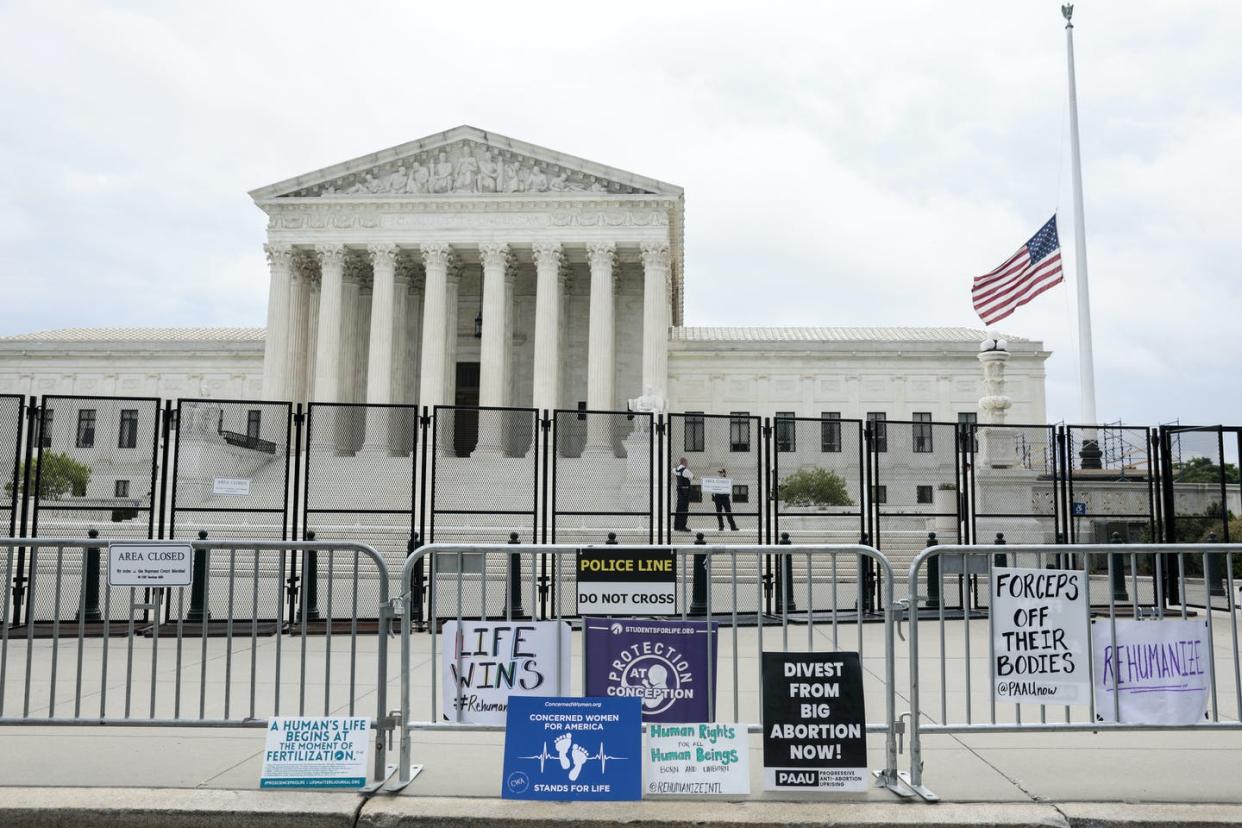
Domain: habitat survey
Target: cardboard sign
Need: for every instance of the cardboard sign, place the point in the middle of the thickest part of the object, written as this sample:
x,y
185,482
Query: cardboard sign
x,y
305,752
1039,636
664,664
489,662
573,748
150,564
237,486
716,485
814,722
1159,673
697,759
614,580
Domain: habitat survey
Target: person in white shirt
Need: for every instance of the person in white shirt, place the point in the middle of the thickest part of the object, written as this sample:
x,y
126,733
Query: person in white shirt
x,y
684,476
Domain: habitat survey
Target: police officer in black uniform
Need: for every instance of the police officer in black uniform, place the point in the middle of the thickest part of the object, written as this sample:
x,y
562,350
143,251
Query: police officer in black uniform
x,y
684,476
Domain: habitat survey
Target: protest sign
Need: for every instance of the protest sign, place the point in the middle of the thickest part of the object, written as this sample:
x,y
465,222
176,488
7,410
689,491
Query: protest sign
x,y
305,752
716,485
573,748
488,662
665,664
1160,672
1039,636
814,722
613,580
149,564
697,759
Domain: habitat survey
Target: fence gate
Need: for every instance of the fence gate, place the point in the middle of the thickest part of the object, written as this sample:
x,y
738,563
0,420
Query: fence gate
x,y
1200,502
712,443
601,476
1013,483
12,420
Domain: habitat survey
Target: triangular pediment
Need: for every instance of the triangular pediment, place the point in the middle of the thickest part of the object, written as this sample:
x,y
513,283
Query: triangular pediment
x,y
464,162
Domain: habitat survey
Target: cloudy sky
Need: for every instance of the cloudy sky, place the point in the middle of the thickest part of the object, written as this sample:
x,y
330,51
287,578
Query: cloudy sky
x,y
844,163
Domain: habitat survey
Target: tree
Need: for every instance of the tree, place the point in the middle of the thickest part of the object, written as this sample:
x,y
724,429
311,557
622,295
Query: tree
x,y
61,475
1203,470
814,487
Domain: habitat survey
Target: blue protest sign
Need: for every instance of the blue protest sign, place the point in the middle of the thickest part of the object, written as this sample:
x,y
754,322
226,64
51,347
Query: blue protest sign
x,y
573,748
667,665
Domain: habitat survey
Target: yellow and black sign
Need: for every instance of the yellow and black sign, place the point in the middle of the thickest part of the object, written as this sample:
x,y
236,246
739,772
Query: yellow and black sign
x,y
616,580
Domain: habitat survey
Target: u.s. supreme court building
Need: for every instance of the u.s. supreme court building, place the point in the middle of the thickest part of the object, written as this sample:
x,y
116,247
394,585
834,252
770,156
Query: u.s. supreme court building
x,y
469,269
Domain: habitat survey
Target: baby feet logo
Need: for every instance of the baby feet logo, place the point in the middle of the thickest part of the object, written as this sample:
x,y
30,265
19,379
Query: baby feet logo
x,y
573,757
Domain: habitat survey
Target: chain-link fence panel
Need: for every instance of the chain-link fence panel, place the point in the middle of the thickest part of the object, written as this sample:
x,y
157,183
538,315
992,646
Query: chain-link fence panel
x,y
723,456
818,471
231,469
12,414
1013,483
602,476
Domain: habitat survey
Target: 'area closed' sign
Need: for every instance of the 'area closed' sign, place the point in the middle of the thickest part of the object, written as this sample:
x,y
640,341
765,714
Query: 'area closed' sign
x,y
619,581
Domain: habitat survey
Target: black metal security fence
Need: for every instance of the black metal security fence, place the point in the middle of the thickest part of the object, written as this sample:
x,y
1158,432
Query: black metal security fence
x,y
398,476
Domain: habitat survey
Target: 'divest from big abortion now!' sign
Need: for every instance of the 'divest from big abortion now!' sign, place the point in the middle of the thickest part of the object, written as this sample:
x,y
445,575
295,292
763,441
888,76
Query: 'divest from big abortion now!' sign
x,y
614,580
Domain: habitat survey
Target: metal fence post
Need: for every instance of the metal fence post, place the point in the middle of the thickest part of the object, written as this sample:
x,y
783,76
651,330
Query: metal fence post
x,y
309,603
417,579
515,580
198,585
698,592
784,579
1000,558
90,586
1117,572
865,602
933,581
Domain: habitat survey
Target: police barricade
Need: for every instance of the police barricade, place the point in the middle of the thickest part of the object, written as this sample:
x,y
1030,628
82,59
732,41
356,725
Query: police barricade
x,y
168,667
733,689
1059,658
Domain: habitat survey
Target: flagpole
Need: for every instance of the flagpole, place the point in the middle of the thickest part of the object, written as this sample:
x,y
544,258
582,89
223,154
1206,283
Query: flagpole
x,y
1086,360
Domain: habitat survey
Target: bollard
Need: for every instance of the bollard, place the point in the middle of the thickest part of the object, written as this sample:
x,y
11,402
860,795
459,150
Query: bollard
x,y
1213,571
784,579
309,600
612,539
1117,572
866,580
933,575
514,609
198,586
89,611
417,579
1000,558
1064,559
698,592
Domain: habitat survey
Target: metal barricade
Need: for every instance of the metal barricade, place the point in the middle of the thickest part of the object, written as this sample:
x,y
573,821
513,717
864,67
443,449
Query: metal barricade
x,y
1112,572
214,681
710,585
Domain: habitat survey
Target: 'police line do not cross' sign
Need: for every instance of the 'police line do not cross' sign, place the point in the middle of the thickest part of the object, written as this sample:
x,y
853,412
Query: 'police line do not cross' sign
x,y
614,580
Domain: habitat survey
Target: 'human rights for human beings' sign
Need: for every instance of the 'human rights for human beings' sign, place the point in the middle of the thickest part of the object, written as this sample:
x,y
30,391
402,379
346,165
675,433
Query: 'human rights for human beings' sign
x,y
1159,672
304,752
573,748
614,580
150,564
486,663
814,722
1039,636
704,759
670,666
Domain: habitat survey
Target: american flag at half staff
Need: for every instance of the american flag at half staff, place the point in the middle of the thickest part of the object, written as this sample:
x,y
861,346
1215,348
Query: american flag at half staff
x,y
1035,268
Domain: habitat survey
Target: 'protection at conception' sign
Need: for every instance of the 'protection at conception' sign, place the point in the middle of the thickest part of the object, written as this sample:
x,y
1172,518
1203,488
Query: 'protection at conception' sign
x,y
614,580
669,665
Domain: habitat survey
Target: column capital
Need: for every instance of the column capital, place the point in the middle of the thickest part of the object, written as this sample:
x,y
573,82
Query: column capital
x,y
494,254
383,255
655,254
279,255
330,255
436,254
547,254
602,255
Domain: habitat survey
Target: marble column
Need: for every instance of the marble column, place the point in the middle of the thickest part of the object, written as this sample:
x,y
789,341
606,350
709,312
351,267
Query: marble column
x,y
545,393
601,342
328,330
297,356
451,312
348,359
435,302
492,378
276,341
379,357
312,333
657,276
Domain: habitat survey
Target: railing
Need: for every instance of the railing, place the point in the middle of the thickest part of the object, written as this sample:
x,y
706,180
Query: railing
x,y
248,441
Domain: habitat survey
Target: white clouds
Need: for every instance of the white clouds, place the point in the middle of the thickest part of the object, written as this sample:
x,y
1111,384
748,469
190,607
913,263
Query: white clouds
x,y
850,164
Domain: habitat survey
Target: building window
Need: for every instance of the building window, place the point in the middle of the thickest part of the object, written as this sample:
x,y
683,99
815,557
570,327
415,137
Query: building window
x,y
692,439
582,409
254,419
86,428
739,431
922,432
741,493
121,489
966,423
879,494
830,431
879,429
923,494
785,428
45,439
128,437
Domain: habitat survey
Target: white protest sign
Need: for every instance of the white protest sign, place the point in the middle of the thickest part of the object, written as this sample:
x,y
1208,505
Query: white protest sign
x,y
489,661
305,752
697,759
1160,671
717,485
150,564
1039,636
236,486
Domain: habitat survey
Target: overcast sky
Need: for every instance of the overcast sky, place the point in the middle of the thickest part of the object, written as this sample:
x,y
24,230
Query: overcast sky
x,y
844,163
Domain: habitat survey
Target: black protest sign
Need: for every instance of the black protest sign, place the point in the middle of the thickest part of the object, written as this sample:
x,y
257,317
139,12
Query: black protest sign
x,y
814,722
614,580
